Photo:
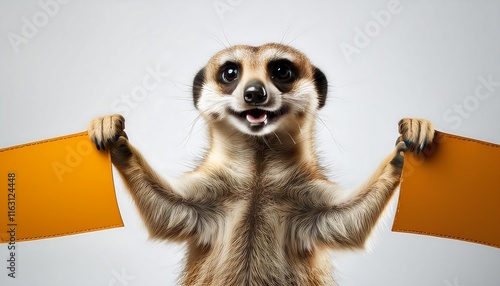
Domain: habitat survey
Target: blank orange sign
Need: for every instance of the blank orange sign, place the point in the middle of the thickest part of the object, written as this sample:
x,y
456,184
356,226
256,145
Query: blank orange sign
x,y
452,190
56,187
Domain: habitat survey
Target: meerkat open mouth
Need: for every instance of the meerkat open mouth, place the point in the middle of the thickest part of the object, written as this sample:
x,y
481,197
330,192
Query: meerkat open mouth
x,y
256,116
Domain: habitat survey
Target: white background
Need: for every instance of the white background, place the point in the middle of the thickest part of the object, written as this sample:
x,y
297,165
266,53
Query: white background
x,y
86,58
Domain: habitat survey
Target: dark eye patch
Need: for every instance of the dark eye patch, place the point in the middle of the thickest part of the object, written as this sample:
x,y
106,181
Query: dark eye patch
x,y
283,74
198,82
228,76
321,86
229,73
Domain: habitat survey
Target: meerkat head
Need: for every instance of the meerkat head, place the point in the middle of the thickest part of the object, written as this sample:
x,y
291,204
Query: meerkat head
x,y
259,90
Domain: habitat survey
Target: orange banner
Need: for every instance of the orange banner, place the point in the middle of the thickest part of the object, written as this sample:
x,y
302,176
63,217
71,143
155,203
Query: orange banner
x,y
55,187
452,190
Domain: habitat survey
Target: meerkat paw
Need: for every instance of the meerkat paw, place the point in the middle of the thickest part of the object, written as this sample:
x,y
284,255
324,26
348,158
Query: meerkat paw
x,y
416,134
106,131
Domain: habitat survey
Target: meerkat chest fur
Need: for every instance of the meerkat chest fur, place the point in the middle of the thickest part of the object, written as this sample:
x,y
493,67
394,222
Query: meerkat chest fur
x,y
260,105
256,243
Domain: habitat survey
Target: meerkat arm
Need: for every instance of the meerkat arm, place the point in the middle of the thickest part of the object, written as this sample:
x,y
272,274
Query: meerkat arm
x,y
349,223
168,211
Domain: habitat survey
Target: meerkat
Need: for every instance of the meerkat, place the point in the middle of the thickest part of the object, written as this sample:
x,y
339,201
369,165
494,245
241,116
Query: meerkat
x,y
259,209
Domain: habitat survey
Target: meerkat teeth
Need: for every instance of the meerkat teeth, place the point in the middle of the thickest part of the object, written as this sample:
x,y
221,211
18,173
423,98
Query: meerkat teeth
x,y
256,120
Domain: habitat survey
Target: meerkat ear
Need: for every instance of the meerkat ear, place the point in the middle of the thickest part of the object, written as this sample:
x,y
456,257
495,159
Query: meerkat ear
x,y
321,86
198,82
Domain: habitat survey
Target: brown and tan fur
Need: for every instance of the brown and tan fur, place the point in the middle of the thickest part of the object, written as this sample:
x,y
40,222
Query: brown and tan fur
x,y
258,210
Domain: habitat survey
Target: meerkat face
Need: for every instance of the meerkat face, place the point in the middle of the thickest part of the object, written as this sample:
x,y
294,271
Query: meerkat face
x,y
259,90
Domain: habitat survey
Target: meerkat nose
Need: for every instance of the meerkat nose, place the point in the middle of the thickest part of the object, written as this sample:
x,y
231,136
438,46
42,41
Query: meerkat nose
x,y
255,93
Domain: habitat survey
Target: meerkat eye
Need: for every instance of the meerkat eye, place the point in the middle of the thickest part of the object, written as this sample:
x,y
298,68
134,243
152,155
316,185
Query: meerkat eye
x,y
282,71
229,73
